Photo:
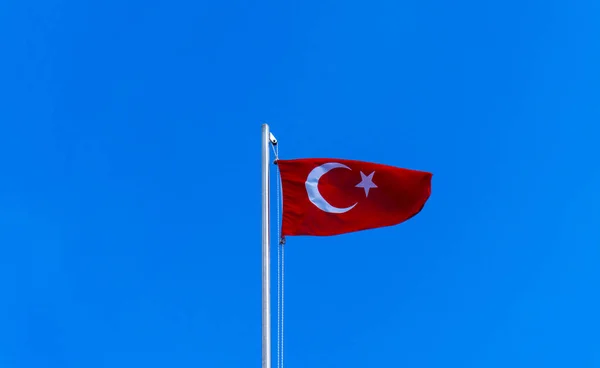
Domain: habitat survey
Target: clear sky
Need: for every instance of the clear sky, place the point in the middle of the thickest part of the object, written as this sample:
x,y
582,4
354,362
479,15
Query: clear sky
x,y
130,190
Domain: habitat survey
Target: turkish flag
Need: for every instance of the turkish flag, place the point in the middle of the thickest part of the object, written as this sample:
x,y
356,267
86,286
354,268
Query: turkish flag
x,y
334,196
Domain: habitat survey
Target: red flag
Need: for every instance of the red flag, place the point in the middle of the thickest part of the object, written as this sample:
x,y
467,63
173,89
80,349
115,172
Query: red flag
x,y
335,196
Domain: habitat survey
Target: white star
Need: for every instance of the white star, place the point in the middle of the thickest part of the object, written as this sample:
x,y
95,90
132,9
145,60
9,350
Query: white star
x,y
366,182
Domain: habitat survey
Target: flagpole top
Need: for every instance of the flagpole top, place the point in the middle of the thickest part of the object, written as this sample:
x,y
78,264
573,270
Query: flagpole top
x,y
272,138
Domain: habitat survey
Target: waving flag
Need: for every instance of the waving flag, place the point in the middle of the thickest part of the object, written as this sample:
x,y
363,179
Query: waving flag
x,y
335,196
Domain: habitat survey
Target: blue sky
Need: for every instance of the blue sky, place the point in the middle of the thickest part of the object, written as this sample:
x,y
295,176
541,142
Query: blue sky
x,y
130,191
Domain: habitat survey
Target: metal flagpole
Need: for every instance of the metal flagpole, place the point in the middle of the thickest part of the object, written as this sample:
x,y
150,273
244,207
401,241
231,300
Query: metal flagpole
x,y
266,251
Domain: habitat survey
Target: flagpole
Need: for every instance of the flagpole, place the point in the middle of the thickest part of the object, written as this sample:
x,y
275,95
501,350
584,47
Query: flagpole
x,y
266,251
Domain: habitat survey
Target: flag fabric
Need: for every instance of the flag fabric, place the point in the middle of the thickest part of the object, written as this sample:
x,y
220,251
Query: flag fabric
x,y
334,196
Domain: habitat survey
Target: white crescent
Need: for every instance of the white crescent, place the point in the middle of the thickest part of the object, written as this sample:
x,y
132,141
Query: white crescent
x,y
312,188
